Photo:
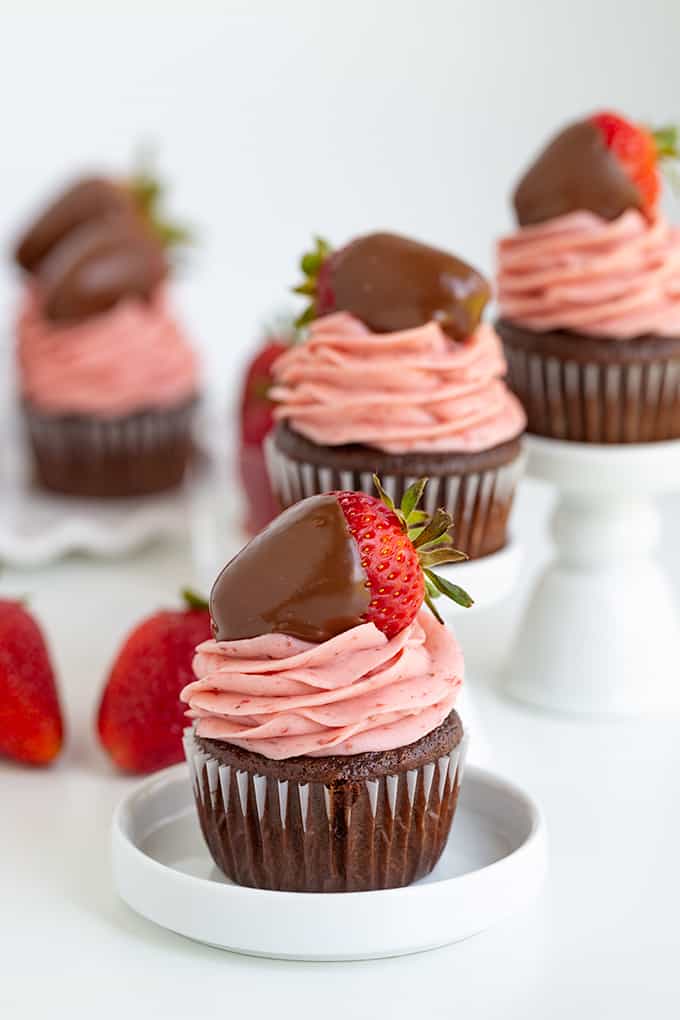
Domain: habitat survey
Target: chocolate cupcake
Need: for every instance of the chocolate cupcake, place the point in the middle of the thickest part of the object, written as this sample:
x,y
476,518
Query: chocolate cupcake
x,y
109,383
326,754
589,288
399,376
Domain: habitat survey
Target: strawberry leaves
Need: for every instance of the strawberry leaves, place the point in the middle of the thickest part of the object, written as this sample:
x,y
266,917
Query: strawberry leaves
x,y
310,264
148,192
192,600
431,538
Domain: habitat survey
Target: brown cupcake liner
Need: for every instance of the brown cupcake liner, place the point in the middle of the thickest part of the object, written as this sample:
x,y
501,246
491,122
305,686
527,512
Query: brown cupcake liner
x,y
569,390
92,457
344,836
479,501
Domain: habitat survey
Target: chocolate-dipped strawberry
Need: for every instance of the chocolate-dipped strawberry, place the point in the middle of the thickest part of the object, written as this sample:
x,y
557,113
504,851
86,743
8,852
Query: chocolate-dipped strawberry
x,y
392,283
333,561
604,164
98,242
88,199
96,265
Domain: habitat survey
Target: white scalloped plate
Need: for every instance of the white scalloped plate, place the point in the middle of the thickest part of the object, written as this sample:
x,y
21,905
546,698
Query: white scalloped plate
x,y
493,865
37,527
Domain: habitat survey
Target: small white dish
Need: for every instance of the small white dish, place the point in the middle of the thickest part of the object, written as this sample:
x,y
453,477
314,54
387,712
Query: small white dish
x,y
38,527
494,863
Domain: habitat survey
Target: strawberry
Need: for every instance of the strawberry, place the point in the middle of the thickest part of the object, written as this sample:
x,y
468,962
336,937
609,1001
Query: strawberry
x,y
604,164
397,549
256,420
333,561
131,203
392,283
31,727
141,719
638,151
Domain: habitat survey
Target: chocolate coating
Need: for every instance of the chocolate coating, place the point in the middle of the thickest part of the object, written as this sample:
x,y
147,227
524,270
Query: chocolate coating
x,y
392,283
575,171
301,576
87,199
96,265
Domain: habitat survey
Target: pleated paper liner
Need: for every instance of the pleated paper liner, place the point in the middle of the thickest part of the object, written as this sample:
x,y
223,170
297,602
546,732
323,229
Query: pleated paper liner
x,y
343,836
593,390
112,458
479,500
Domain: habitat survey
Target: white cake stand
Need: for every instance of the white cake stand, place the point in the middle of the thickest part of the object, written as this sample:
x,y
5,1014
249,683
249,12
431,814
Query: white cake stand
x,y
600,634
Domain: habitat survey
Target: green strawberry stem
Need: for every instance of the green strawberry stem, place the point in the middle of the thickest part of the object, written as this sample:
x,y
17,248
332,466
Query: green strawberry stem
x,y
148,192
310,264
666,141
431,537
192,600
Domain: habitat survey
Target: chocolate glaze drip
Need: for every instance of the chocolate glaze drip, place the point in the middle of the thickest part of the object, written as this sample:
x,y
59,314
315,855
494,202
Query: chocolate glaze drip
x,y
96,265
301,576
576,171
88,199
393,283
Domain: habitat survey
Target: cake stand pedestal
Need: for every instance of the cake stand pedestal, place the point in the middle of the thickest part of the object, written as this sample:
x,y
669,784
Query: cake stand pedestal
x,y
600,634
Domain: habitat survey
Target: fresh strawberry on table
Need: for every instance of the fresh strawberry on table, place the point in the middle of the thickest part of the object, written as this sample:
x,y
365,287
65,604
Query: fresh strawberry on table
x,y
141,719
31,727
256,421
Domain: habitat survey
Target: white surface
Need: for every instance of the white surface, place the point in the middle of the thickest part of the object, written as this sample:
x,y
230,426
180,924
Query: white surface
x,y
493,864
488,580
602,627
600,941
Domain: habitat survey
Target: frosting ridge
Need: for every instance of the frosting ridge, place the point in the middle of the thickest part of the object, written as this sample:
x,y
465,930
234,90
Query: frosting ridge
x,y
359,691
127,359
404,391
618,279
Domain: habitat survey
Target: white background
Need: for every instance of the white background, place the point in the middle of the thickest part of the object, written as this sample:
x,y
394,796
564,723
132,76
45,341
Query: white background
x,y
276,120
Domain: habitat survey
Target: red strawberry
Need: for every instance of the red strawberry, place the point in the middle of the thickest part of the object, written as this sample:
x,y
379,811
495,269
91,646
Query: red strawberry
x,y
141,719
392,283
638,151
332,562
256,420
604,164
31,728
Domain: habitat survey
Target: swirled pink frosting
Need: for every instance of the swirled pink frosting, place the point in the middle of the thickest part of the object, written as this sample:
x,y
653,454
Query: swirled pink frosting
x,y
398,392
359,691
125,360
617,279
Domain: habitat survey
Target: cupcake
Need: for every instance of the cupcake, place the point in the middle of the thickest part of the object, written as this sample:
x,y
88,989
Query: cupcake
x,y
109,383
399,376
589,288
326,753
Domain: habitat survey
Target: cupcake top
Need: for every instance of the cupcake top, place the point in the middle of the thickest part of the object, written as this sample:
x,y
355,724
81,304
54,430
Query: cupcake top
x,y
94,332
593,253
321,643
130,358
397,357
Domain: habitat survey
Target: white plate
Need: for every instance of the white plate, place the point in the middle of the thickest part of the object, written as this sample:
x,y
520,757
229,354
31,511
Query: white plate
x,y
38,527
494,863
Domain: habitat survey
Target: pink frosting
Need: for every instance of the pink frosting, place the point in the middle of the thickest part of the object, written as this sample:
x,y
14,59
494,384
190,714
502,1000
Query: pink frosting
x,y
359,691
128,359
616,279
398,392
